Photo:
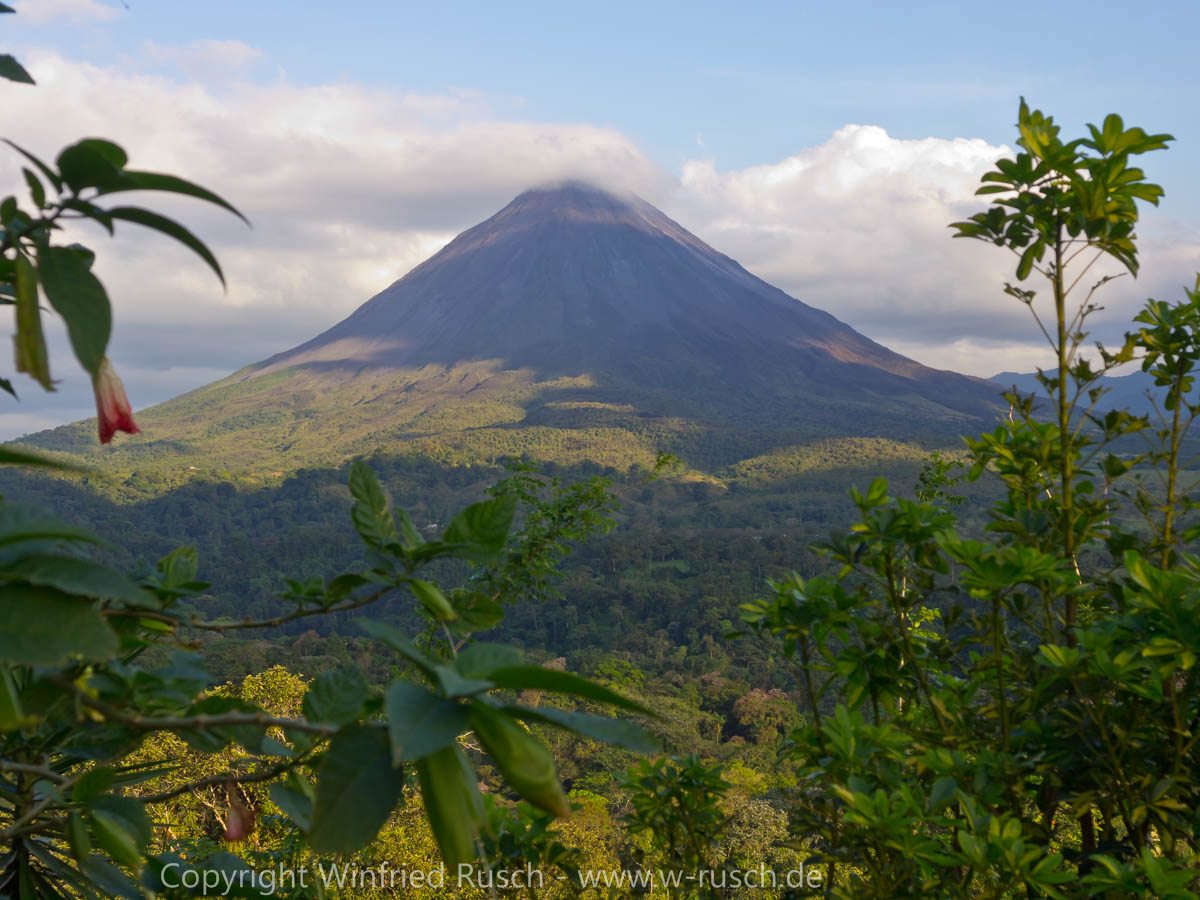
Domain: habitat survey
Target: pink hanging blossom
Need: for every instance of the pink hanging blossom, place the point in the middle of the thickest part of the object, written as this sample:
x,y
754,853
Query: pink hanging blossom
x,y
112,406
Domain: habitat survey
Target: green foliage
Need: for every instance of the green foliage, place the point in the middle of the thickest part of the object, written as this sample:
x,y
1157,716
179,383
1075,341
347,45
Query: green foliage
x,y
1014,712
938,477
12,70
87,702
83,173
523,836
357,787
1167,340
676,803
33,266
1081,193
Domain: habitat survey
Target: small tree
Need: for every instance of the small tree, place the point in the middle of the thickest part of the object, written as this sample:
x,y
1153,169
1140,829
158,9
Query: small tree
x,y
676,804
1018,709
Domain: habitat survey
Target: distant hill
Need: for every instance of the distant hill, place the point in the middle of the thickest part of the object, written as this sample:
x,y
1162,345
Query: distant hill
x,y
1124,391
573,325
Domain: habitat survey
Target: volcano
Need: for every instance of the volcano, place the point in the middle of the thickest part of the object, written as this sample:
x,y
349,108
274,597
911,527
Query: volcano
x,y
571,279
575,323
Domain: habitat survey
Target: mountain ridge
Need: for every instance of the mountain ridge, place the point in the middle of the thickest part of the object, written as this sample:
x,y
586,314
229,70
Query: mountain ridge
x,y
1127,391
536,224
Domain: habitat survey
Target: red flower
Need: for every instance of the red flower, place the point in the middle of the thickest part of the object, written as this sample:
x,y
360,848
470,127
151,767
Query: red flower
x,y
112,406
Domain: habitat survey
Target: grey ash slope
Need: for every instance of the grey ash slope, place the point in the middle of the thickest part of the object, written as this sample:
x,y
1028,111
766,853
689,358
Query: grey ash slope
x,y
572,279
573,325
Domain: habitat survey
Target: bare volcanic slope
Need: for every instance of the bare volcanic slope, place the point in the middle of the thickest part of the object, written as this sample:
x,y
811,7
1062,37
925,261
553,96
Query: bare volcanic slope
x,y
573,279
573,324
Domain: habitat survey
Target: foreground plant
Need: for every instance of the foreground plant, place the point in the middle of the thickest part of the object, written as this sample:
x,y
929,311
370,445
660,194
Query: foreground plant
x,y
33,267
675,803
74,703
1016,712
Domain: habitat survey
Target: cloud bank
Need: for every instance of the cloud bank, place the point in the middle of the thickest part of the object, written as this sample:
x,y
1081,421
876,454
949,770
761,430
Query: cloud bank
x,y
348,187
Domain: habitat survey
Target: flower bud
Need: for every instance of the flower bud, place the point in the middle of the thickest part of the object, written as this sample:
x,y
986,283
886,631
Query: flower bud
x,y
522,759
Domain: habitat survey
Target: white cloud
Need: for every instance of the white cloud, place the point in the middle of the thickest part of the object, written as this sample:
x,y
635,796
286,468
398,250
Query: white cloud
x,y
348,187
976,355
858,226
74,12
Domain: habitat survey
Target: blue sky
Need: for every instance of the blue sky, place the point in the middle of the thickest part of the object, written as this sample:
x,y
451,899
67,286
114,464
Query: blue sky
x,y
752,81
710,110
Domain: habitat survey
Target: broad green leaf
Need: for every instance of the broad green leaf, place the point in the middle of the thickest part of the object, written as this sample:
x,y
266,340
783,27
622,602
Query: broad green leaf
x,y
11,456
171,184
395,639
11,716
169,227
877,492
93,783
371,513
269,746
30,342
537,678
122,827
478,532
13,70
24,523
433,600
80,577
408,531
78,838
942,793
455,685
92,163
618,732
481,659
1060,657
179,569
342,585
296,804
44,627
420,722
79,297
336,696
475,611
357,788
453,805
